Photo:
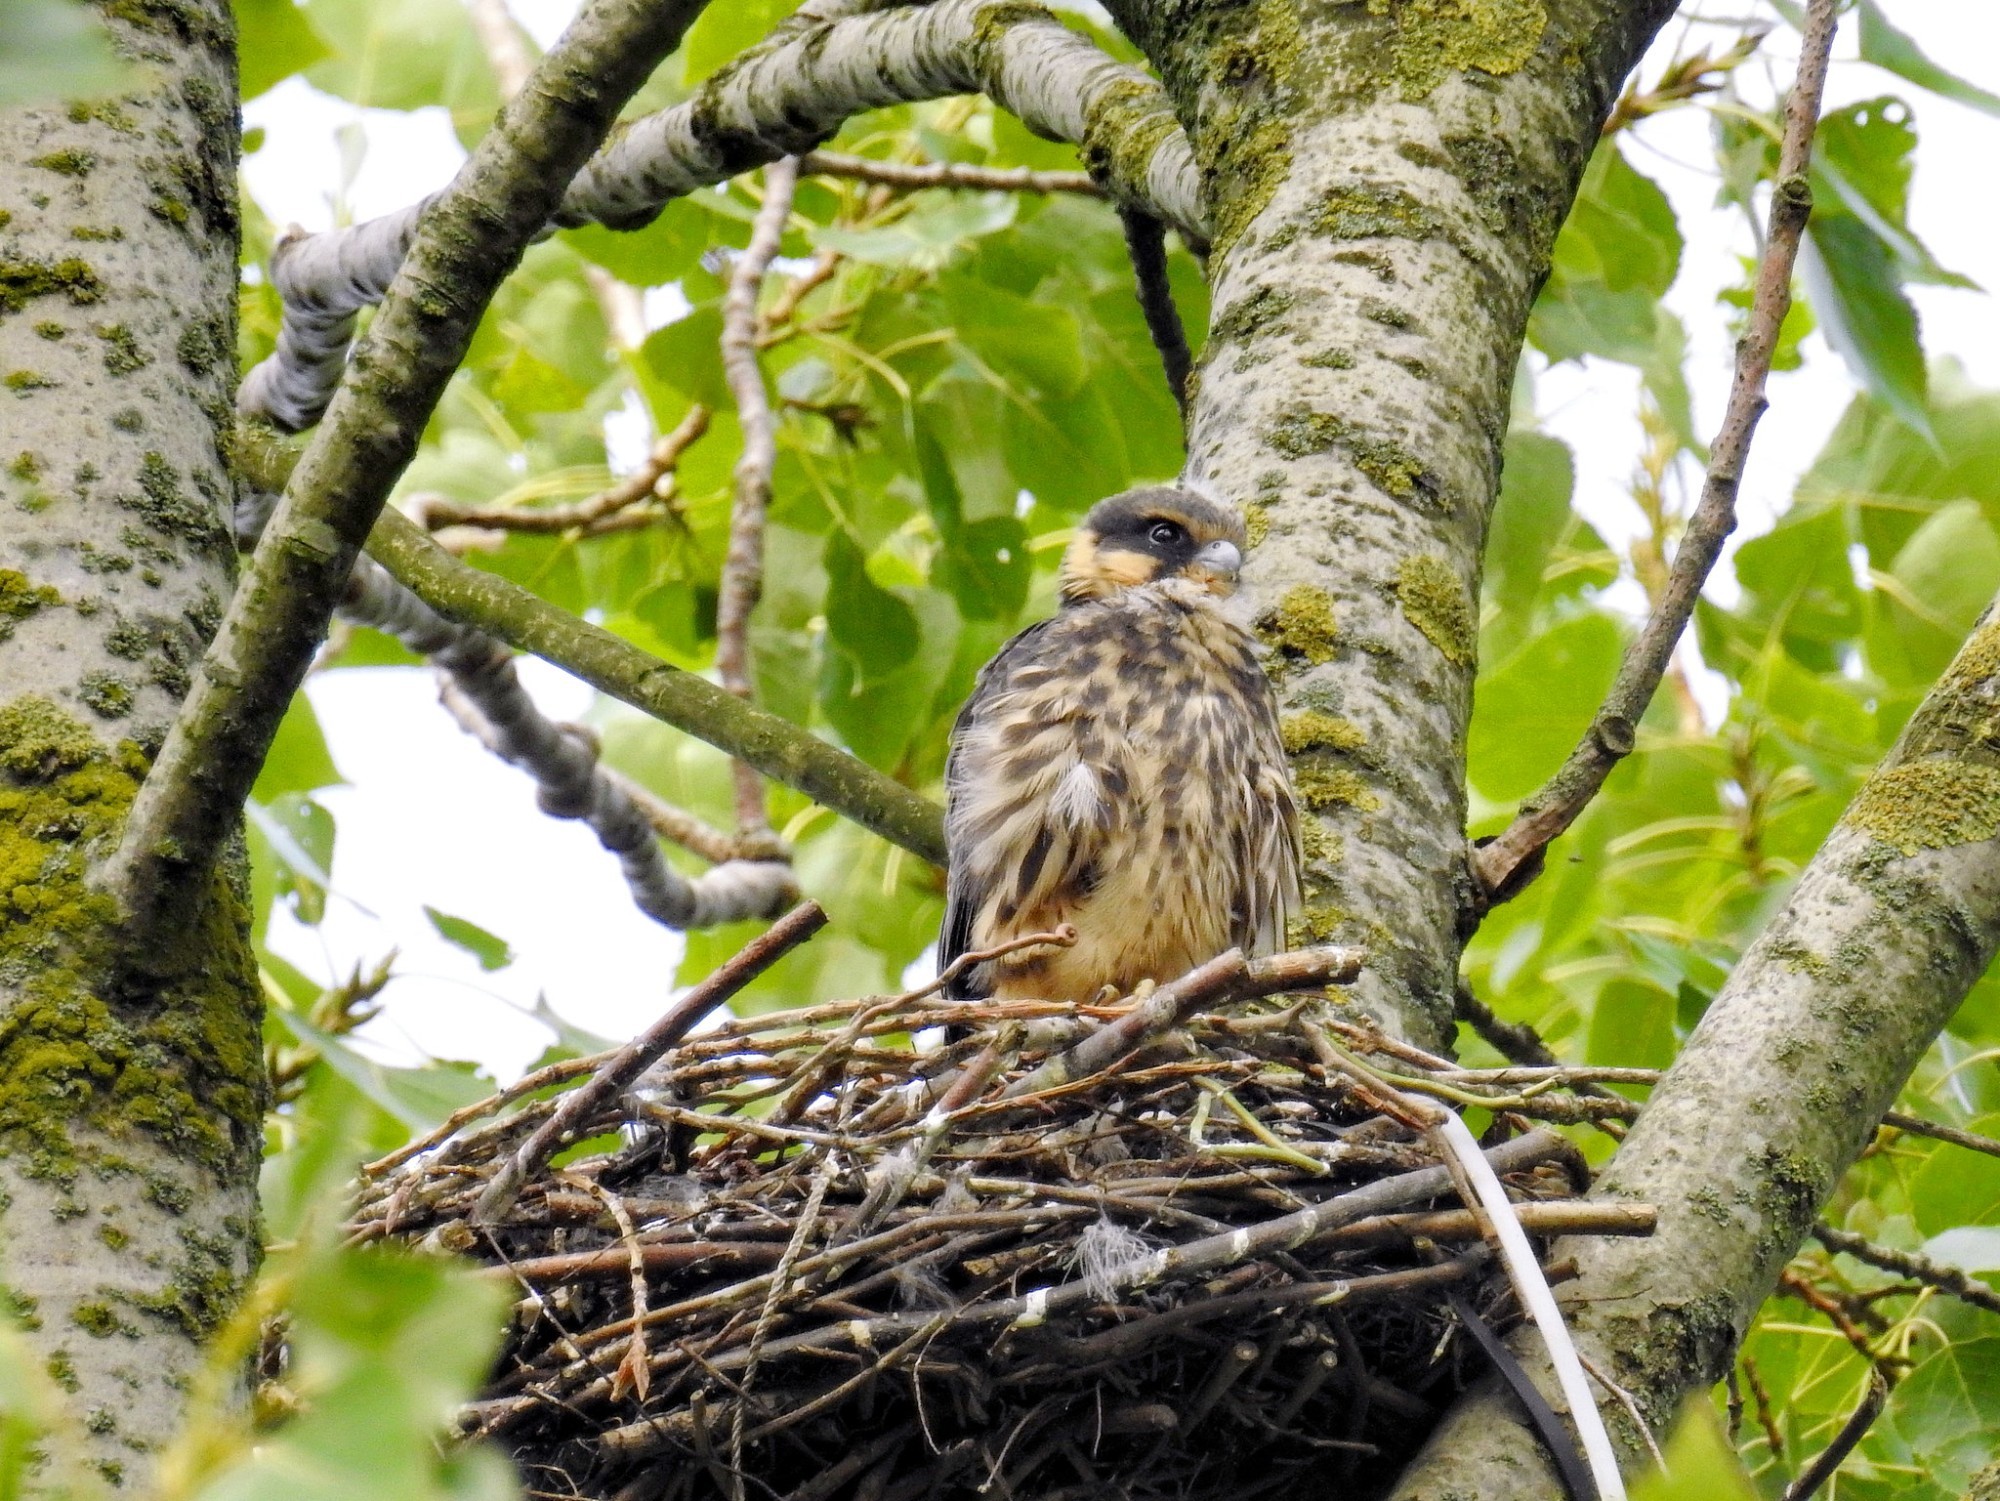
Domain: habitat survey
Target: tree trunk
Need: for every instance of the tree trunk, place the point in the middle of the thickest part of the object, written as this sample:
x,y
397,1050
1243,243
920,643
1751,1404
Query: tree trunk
x,y
131,1085
1385,182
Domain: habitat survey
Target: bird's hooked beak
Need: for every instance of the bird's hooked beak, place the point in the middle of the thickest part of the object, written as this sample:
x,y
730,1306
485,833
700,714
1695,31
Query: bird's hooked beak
x,y
1217,565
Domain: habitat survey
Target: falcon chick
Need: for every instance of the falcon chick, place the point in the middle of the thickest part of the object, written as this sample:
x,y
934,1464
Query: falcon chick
x,y
1119,767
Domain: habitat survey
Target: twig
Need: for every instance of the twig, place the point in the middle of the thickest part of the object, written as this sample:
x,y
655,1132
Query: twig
x,y
1916,1125
1823,1464
1767,1417
914,176
1918,1268
1632,1409
743,565
635,1371
1146,247
1218,982
794,928
470,239
651,480
767,1316
1511,859
1684,79
693,834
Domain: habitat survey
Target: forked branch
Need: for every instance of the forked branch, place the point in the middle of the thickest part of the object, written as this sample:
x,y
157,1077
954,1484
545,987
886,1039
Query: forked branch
x,y
1511,859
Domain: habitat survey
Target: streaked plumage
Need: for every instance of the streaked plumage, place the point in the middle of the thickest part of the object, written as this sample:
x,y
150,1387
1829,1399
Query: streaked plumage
x,y
1119,767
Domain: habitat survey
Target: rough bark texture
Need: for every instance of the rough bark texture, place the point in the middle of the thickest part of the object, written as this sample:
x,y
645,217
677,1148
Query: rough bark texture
x,y
1384,184
131,1094
1779,1088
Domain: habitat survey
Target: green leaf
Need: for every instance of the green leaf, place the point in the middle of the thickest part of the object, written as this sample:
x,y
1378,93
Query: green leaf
x,y
420,1098
652,256
1616,257
1851,278
1531,709
490,950
872,628
1886,47
937,224
405,54
1862,164
384,1347
298,760
300,834
274,40
1948,1411
1701,1465
723,31
686,355
52,49
1954,1188
1632,1025
1536,482
1797,582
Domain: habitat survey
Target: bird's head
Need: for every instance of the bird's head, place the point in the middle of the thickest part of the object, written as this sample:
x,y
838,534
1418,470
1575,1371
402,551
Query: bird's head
x,y
1149,536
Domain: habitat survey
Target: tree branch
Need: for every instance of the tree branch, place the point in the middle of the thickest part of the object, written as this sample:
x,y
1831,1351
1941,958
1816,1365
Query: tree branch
x,y
779,100
910,177
1146,246
1509,861
743,565
471,239
1817,1029
485,696
776,747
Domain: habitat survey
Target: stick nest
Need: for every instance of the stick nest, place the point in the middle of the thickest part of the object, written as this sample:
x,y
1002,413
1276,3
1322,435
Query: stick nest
x,y
1165,1247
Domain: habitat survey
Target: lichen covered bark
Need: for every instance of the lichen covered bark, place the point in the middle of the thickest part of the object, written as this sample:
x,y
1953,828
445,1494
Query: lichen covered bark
x,y
1384,183
1780,1086
131,1088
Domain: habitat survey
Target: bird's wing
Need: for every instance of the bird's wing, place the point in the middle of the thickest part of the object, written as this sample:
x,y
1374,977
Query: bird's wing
x,y
1272,860
968,765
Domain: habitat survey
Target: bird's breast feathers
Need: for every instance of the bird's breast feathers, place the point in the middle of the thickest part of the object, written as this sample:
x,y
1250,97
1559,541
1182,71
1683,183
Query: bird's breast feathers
x,y
1119,768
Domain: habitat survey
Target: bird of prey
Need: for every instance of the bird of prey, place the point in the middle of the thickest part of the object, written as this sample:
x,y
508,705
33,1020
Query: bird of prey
x,y
1119,768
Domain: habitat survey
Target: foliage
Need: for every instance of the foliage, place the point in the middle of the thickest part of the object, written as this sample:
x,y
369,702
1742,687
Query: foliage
x,y
969,372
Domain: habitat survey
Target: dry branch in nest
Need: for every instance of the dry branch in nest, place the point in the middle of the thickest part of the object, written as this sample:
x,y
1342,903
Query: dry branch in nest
x,y
1157,1246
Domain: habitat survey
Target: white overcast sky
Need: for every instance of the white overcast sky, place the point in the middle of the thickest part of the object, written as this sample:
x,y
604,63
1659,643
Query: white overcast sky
x,y
427,817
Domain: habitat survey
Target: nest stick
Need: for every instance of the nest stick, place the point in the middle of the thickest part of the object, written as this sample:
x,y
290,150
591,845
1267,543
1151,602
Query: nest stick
x,y
794,928
1218,982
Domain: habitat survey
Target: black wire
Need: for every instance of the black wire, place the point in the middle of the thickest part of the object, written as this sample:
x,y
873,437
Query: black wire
x,y
1146,244
1562,1447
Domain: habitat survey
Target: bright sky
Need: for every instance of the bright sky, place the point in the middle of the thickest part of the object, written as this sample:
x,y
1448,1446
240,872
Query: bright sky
x,y
427,817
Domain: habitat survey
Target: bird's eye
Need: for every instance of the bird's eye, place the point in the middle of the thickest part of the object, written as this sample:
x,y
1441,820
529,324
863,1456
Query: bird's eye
x,y
1166,533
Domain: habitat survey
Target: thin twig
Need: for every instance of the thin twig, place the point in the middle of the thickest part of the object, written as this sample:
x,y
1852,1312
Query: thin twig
x,y
652,480
743,566
794,928
913,176
1684,79
1511,859
1946,1279
1823,1464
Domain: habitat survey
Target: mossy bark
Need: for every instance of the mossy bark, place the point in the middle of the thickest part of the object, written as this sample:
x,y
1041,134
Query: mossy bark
x,y
131,1087
1779,1088
1384,183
